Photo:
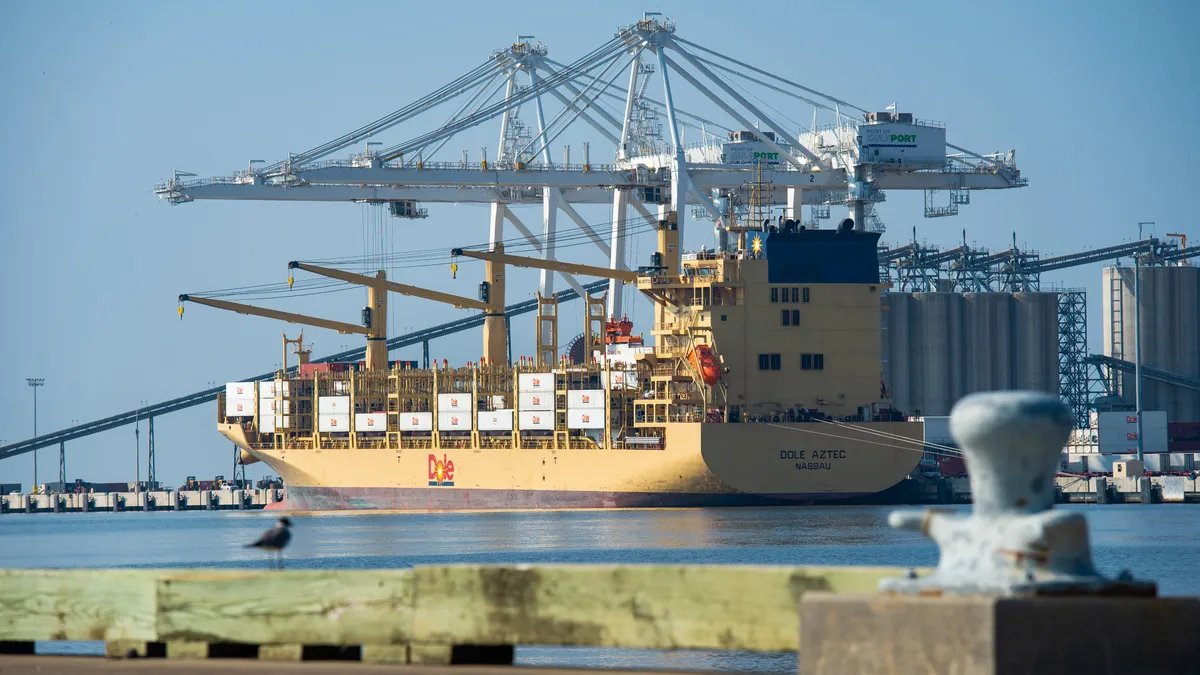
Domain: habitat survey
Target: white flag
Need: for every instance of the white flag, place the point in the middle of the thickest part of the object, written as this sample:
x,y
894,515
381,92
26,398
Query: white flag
x,y
891,107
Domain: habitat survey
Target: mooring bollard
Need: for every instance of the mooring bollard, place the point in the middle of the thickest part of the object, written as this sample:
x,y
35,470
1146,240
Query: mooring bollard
x,y
1015,589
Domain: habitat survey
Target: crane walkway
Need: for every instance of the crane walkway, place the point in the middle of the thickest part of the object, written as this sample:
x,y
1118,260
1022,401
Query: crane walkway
x,y
207,395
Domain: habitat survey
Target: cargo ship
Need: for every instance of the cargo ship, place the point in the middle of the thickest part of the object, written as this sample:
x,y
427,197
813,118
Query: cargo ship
x,y
760,385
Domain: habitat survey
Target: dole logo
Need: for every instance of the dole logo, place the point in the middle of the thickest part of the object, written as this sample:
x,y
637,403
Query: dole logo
x,y
537,419
586,418
453,403
586,398
453,421
1131,436
537,400
240,407
370,421
441,471
333,421
537,382
1131,419
239,391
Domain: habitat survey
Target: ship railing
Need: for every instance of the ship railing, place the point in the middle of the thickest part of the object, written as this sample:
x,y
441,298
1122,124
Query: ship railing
x,y
495,442
686,418
537,443
372,443
456,442
639,443
417,443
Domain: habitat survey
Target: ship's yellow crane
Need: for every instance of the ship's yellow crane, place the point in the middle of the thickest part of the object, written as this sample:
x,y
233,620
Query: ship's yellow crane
x,y
374,324
490,302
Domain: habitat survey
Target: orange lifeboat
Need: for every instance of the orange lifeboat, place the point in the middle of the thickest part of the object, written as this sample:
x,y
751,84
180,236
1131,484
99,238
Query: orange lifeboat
x,y
704,361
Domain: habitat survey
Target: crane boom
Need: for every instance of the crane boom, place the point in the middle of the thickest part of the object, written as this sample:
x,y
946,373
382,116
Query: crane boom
x,y
551,265
403,289
344,328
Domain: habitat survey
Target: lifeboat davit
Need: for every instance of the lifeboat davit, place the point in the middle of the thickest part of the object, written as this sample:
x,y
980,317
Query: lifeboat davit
x,y
704,361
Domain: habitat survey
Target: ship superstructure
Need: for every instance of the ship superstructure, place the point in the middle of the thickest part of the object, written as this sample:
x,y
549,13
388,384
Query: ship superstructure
x,y
761,386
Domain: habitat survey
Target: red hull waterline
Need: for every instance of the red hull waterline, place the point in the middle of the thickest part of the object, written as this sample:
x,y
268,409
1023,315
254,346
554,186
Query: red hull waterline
x,y
450,499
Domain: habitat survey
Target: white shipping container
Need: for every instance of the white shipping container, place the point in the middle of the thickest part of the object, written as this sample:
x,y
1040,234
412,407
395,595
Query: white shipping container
x,y
454,421
535,382
328,405
454,402
269,406
370,421
623,379
496,420
534,400
268,389
497,401
267,424
239,407
1117,432
585,418
585,398
416,421
239,390
333,422
536,420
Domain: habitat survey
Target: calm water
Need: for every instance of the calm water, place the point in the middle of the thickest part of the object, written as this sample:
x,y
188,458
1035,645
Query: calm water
x,y
1160,542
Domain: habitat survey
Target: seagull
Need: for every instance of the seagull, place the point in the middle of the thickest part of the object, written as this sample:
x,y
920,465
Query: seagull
x,y
275,540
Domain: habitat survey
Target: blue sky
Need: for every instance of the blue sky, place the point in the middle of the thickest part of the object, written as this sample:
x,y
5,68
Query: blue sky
x,y
102,100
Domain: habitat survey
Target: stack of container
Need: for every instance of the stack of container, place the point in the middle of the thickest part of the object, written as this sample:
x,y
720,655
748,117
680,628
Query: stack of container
x,y
333,414
454,412
239,399
535,401
585,409
273,413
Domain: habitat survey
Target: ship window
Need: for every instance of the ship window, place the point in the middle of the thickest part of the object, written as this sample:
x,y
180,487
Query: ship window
x,y
787,315
806,294
722,317
795,317
818,362
774,294
795,294
774,362
764,361
806,361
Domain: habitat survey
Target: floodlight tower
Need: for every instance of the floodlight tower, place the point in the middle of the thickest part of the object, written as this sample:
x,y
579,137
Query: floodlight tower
x,y
35,382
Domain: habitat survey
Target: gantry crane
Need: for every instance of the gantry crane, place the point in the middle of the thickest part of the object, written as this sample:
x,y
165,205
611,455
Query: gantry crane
x,y
374,319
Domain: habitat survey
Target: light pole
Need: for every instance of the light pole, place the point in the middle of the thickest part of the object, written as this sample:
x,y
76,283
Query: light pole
x,y
35,382
1137,342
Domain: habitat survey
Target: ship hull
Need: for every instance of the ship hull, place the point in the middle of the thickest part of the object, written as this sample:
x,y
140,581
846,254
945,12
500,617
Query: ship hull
x,y
700,465
449,499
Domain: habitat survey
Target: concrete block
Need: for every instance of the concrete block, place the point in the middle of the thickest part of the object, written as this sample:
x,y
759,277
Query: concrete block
x,y
986,635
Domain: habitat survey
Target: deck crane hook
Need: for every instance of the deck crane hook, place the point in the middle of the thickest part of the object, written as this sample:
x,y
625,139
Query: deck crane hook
x,y
453,270
291,280
181,312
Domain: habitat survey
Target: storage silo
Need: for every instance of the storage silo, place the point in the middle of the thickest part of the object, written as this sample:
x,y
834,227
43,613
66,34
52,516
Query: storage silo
x,y
1036,347
1170,334
943,346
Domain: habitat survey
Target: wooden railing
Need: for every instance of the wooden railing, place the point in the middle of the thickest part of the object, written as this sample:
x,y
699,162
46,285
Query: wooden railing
x,y
420,615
